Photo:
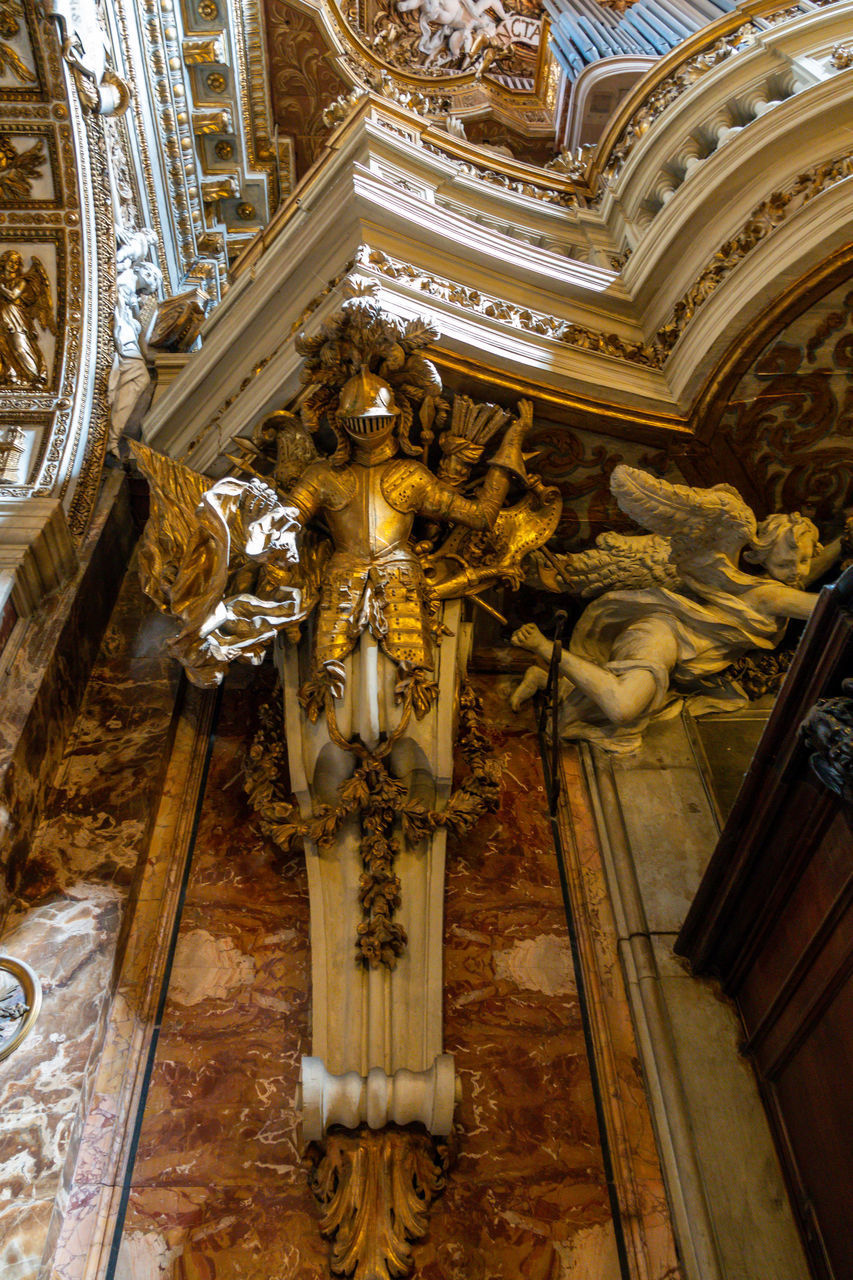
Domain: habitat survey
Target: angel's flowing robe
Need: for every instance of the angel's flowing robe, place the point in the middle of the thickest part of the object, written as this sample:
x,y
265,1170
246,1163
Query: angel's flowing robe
x,y
712,626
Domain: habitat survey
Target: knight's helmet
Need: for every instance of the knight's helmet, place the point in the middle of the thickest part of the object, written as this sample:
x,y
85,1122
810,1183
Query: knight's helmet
x,y
366,408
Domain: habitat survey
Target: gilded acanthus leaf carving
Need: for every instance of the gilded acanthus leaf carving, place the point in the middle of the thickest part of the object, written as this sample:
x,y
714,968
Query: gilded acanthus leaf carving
x,y
374,1190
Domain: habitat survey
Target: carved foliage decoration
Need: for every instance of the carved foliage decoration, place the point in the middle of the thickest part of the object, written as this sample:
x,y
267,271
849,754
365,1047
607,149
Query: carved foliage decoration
x,y
579,464
303,80
19,169
374,1190
790,420
828,733
383,806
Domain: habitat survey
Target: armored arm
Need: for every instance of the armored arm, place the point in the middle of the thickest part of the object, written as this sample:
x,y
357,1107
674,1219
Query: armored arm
x,y
443,501
307,494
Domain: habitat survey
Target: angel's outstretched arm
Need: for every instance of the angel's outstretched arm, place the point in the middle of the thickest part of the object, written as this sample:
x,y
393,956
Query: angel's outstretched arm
x,y
780,601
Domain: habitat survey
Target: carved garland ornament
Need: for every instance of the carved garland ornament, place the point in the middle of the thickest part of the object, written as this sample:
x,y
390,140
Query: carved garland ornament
x,y
762,221
573,335
379,800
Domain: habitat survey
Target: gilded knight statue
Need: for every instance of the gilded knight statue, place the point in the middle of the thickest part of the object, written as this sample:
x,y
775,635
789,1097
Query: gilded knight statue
x,y
356,564
674,607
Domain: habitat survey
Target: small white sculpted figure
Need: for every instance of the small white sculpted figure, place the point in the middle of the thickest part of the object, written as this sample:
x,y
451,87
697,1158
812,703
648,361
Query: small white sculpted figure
x,y
455,28
676,607
137,279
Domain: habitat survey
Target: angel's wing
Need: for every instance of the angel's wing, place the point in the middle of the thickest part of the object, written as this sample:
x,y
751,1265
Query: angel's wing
x,y
37,296
176,491
695,520
617,562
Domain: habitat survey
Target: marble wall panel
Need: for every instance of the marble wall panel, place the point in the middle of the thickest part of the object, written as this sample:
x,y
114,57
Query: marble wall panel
x,y
218,1189
66,918
650,1242
42,688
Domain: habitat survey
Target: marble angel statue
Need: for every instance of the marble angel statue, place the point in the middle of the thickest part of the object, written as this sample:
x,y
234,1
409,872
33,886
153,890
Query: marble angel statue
x,y
673,608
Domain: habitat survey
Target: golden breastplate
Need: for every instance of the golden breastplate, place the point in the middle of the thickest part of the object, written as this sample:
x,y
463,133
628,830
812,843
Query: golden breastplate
x,y
367,525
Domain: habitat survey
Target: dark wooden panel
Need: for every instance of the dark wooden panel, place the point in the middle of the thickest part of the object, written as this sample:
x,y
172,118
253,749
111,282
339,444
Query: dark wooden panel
x,y
814,1095
773,920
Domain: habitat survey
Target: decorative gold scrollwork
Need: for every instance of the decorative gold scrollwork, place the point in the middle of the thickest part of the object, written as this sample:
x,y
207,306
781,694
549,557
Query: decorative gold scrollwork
x,y
374,1190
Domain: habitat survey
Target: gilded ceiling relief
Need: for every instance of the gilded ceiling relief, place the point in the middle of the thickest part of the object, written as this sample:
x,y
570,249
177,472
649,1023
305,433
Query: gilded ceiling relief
x,y
17,58
20,170
445,37
789,422
26,313
303,79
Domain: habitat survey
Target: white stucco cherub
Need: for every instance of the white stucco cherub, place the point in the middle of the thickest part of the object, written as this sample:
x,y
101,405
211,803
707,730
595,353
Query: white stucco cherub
x,y
676,607
455,28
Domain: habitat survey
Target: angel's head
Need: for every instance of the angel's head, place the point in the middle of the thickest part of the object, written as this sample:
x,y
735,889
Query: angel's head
x,y
11,264
785,545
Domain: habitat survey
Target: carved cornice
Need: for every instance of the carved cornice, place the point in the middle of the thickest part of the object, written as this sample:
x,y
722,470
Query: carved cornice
x,y
524,318
763,220
206,65
673,75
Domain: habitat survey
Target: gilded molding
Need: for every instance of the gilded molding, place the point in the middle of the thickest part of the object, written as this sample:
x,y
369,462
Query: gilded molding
x,y
762,222
20,1003
523,318
531,188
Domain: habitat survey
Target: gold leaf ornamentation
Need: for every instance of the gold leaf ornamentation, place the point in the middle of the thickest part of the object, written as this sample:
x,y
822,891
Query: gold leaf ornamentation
x,y
19,169
374,1190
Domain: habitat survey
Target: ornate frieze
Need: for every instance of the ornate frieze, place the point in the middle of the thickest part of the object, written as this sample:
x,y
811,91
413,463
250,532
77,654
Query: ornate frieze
x,y
609,344
763,220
